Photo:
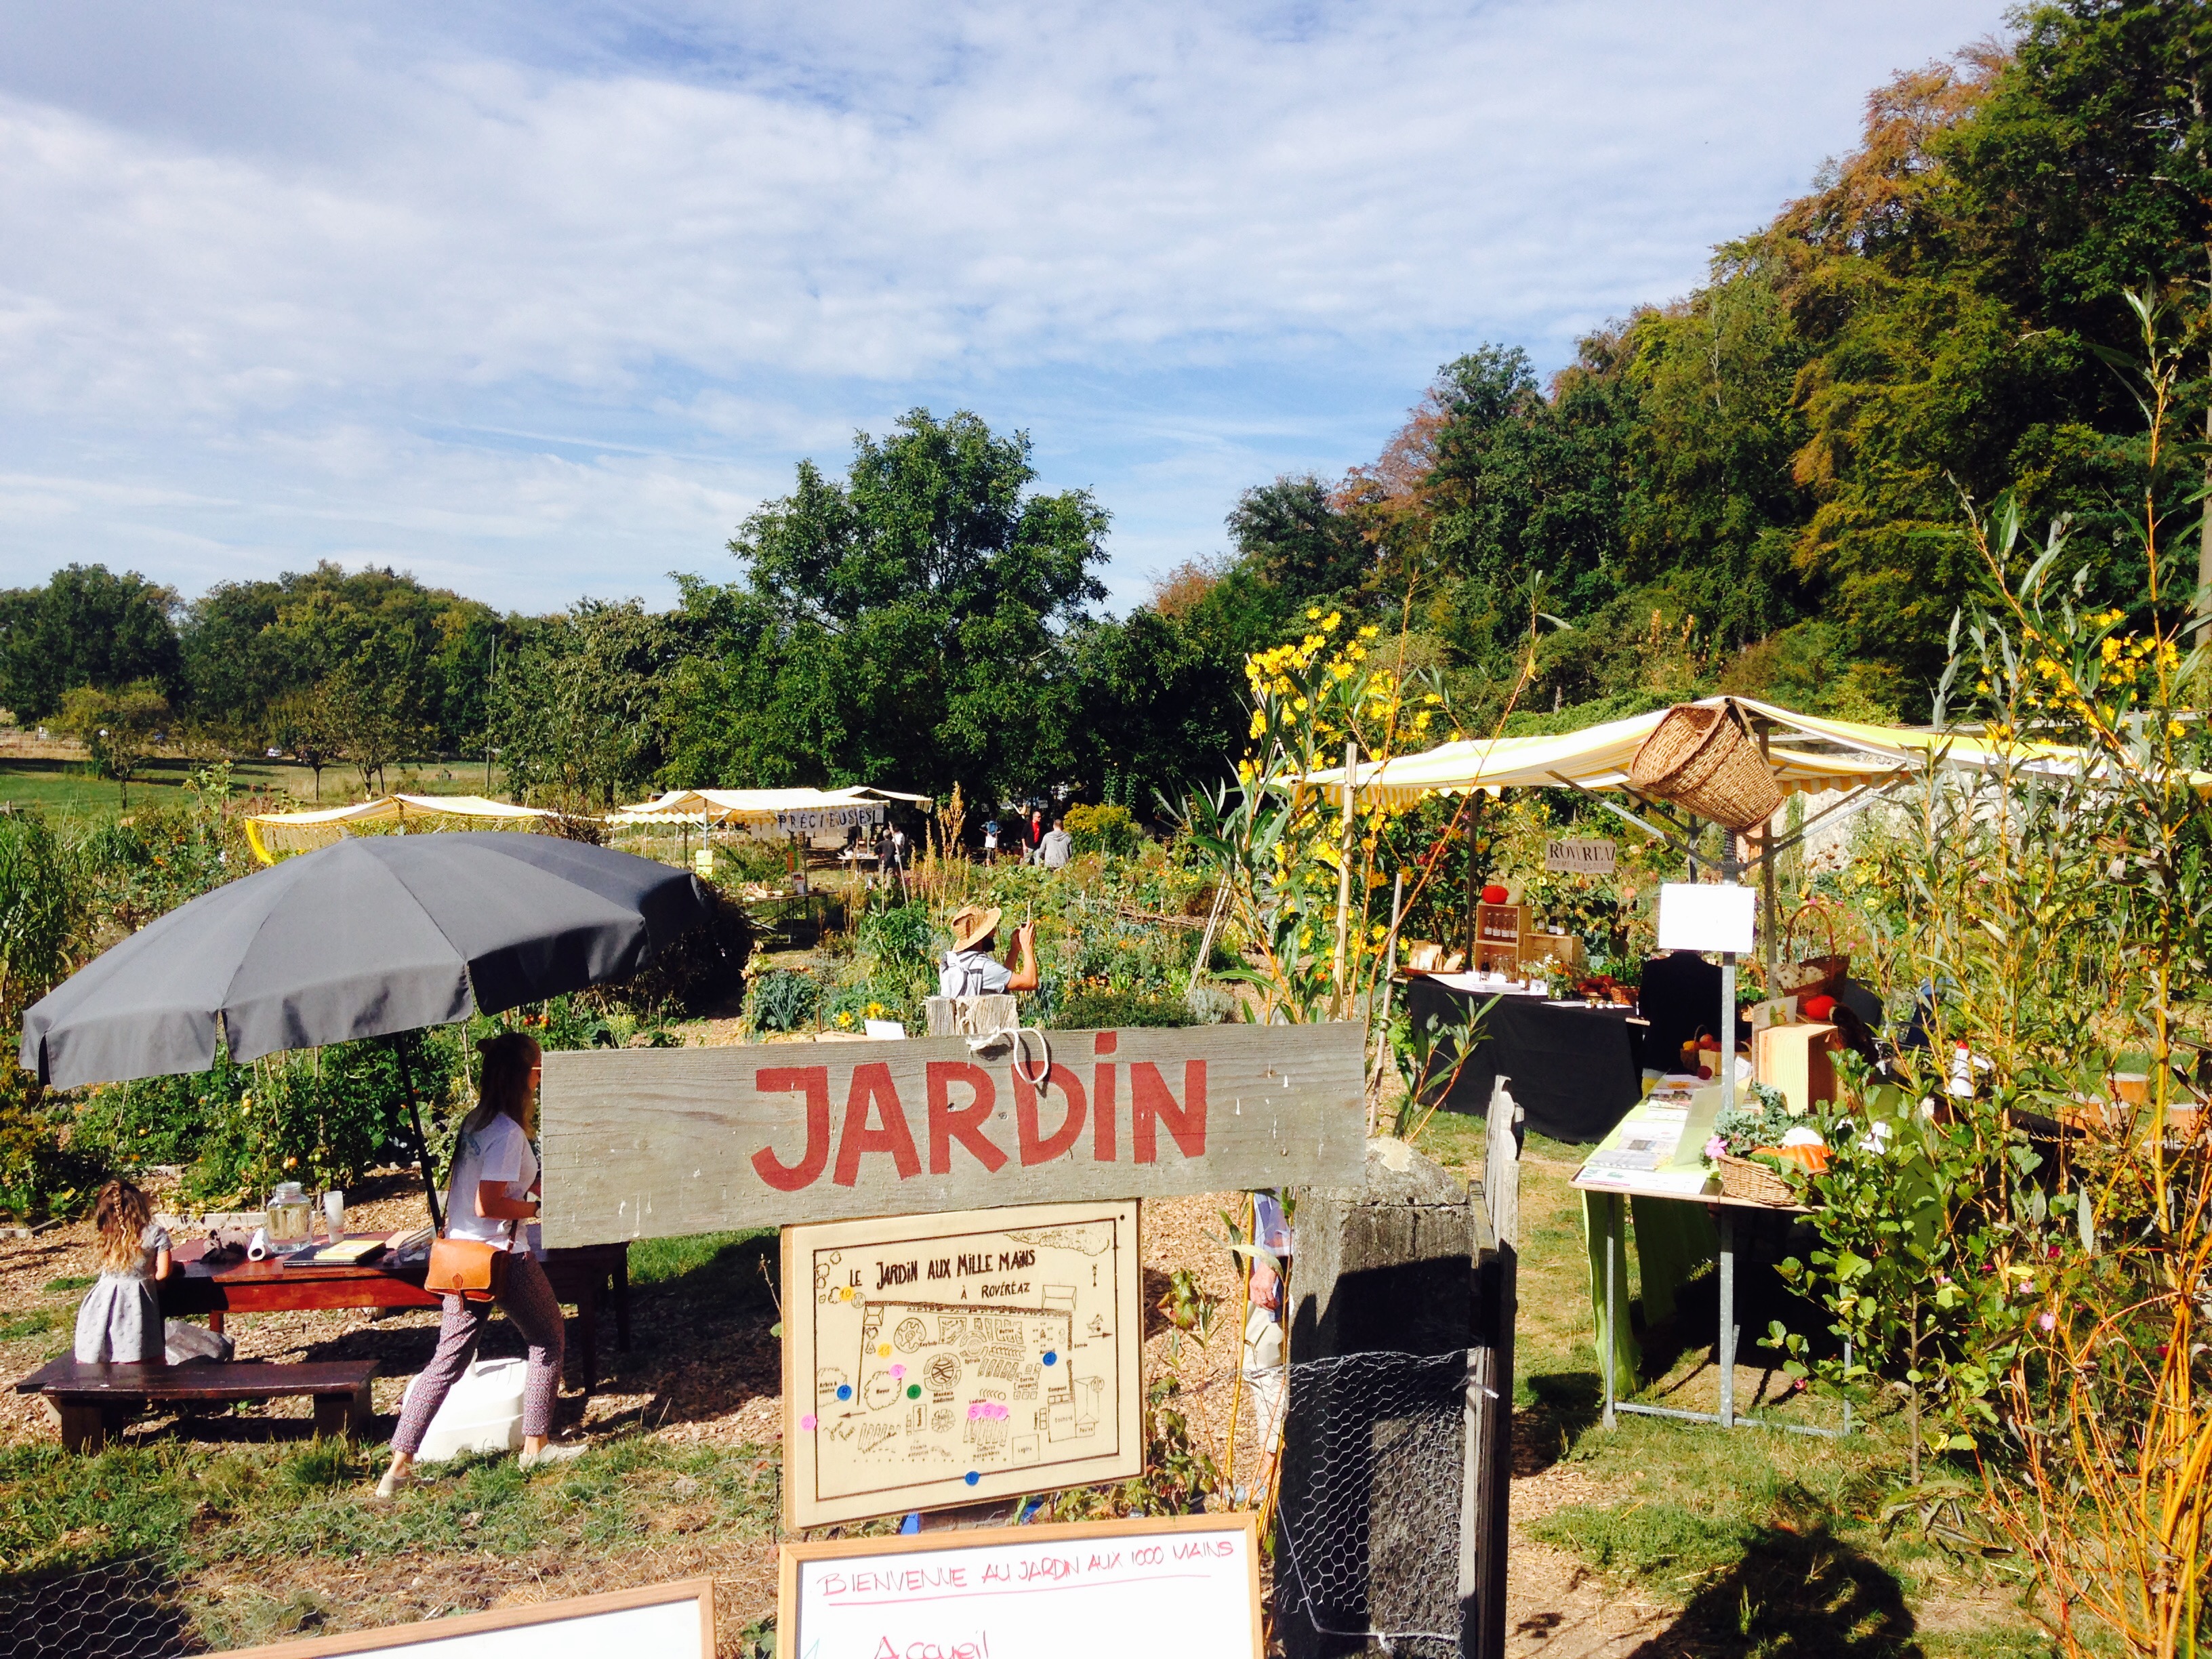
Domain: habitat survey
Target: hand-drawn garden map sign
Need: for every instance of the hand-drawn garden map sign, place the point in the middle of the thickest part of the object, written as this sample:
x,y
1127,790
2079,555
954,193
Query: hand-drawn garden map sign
x,y
948,1359
650,1143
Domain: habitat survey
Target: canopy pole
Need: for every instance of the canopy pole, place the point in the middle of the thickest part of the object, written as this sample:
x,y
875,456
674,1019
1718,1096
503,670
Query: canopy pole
x,y
415,1116
1768,919
1474,875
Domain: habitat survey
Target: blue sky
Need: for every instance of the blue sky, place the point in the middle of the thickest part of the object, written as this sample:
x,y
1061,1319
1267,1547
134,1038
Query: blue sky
x,y
539,301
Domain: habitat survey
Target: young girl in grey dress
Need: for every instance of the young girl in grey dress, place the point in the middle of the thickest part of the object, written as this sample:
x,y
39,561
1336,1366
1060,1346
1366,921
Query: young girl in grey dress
x,y
120,1320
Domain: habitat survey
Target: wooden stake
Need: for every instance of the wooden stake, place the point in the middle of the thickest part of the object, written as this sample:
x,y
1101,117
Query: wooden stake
x,y
1338,1008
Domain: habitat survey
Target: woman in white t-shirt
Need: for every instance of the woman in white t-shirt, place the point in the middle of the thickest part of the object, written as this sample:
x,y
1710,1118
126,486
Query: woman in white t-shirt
x,y
491,1196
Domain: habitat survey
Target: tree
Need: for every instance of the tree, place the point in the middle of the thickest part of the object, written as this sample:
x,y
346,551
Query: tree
x,y
373,706
246,646
86,627
907,624
119,727
579,707
1298,538
306,726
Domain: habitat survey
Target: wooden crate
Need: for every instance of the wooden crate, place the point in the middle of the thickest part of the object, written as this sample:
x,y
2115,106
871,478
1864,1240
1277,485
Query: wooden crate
x,y
1798,1059
1500,932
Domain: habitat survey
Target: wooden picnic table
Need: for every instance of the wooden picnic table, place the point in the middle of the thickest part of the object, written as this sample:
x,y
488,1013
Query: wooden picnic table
x,y
585,1277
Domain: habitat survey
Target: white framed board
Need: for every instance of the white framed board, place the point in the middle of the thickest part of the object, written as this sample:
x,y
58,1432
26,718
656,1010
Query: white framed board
x,y
1088,1590
937,1360
655,1621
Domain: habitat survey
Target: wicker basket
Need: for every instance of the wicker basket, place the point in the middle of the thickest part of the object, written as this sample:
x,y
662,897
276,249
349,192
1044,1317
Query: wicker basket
x,y
1704,758
1753,1182
1811,976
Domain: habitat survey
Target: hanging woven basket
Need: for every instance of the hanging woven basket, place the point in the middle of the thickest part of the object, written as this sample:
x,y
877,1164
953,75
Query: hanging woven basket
x,y
1705,759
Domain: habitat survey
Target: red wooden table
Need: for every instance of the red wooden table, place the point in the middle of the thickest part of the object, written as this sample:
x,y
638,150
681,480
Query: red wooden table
x,y
588,1278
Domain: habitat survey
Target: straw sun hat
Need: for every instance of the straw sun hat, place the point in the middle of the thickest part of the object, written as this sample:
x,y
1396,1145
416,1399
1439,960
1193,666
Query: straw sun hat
x,y
972,923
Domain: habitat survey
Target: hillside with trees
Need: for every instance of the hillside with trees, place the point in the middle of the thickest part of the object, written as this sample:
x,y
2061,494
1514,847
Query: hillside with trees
x,y
1756,487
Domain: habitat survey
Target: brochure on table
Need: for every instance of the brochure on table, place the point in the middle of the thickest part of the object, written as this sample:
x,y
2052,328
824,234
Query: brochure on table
x,y
1658,1148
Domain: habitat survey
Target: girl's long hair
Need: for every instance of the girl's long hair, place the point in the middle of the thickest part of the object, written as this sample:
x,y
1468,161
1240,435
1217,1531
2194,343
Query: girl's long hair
x,y
508,1060
120,1215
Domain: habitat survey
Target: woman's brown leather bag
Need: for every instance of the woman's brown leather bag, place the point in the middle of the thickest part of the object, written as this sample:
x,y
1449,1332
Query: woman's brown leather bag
x,y
472,1267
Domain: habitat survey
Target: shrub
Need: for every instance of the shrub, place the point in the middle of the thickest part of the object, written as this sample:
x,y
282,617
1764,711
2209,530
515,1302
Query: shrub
x,y
42,1172
694,973
781,1000
1092,1009
1104,829
898,938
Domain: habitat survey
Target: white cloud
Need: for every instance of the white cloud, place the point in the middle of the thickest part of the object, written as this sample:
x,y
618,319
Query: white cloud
x,y
516,296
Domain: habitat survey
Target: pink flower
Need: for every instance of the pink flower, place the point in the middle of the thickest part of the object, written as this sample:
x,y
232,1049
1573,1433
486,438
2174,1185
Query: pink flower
x,y
2049,1322
1715,1147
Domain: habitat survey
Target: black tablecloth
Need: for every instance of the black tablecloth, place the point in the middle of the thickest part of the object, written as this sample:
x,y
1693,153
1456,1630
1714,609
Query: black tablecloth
x,y
1575,1070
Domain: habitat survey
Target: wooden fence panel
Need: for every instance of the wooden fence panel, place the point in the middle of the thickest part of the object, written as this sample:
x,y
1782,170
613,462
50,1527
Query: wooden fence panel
x,y
649,1143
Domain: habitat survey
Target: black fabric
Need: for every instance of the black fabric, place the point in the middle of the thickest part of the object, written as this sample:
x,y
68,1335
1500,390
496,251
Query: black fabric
x,y
1575,1070
1680,997
372,935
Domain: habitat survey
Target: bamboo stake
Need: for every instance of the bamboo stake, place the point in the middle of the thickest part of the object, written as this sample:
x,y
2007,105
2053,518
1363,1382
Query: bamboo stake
x,y
1344,872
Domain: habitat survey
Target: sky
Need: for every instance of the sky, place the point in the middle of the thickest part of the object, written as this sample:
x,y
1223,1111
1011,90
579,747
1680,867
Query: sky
x,y
539,301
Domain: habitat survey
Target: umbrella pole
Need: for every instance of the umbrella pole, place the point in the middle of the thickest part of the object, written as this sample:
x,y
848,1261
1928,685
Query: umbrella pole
x,y
422,1140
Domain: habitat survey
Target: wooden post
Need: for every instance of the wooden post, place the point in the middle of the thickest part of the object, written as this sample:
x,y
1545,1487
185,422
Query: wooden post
x,y
1369,1539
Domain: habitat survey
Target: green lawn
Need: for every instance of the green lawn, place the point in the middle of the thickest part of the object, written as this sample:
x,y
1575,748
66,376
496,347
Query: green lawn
x,y
68,789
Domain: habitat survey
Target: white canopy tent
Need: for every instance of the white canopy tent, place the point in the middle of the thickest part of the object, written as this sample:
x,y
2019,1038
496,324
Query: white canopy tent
x,y
271,835
1804,752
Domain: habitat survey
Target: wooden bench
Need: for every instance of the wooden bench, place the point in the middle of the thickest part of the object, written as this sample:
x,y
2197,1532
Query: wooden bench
x,y
95,1399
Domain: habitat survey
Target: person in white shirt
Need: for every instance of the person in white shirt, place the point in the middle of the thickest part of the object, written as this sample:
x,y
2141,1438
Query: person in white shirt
x,y
969,969
492,1192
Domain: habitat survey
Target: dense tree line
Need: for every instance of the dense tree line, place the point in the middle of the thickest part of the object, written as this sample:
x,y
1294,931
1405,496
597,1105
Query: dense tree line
x,y
1757,487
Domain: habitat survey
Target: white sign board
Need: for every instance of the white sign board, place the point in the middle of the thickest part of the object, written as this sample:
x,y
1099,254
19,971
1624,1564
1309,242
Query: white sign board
x,y
658,1621
1580,858
945,1359
1704,916
1099,1589
808,820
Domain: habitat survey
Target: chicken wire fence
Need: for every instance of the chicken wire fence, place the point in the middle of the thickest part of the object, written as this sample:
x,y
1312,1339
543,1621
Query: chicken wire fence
x,y
1370,1509
130,1609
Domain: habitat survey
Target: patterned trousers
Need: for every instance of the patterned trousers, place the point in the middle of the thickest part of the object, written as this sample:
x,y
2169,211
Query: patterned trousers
x,y
529,1300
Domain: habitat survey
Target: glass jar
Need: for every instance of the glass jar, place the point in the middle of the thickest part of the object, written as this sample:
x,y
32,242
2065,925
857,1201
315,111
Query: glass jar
x,y
289,1214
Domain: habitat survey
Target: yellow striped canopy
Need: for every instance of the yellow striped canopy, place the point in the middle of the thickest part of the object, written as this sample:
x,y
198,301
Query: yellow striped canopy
x,y
1807,751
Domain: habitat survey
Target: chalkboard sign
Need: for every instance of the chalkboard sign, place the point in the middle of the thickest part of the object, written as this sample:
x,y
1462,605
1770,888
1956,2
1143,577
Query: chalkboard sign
x,y
1090,1590
657,1621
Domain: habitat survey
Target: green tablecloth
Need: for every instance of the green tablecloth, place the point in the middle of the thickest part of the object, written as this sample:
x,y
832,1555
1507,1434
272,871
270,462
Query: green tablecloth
x,y
1673,1233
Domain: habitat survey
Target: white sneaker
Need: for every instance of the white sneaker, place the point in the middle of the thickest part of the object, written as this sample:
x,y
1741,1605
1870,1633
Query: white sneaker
x,y
550,1454
394,1480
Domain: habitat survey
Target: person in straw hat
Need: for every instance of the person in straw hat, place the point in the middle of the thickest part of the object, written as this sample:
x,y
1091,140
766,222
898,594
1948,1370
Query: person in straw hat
x,y
969,969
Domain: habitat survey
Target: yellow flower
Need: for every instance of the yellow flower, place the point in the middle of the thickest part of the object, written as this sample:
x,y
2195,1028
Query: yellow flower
x,y
1312,616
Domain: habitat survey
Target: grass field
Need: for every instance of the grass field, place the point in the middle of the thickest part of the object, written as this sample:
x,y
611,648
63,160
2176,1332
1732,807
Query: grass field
x,y
68,789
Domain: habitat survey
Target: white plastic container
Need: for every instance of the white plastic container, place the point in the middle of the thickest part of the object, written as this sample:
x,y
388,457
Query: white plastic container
x,y
483,1412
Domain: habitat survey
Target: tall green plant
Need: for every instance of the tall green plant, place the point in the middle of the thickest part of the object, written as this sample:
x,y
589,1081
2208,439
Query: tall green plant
x,y
2053,901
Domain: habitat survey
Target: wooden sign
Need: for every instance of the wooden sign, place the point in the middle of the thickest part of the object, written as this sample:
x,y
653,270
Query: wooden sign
x,y
1088,1590
943,1360
1585,858
649,1143
656,1621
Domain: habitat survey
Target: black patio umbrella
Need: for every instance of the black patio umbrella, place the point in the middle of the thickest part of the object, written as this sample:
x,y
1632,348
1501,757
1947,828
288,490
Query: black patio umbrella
x,y
368,937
